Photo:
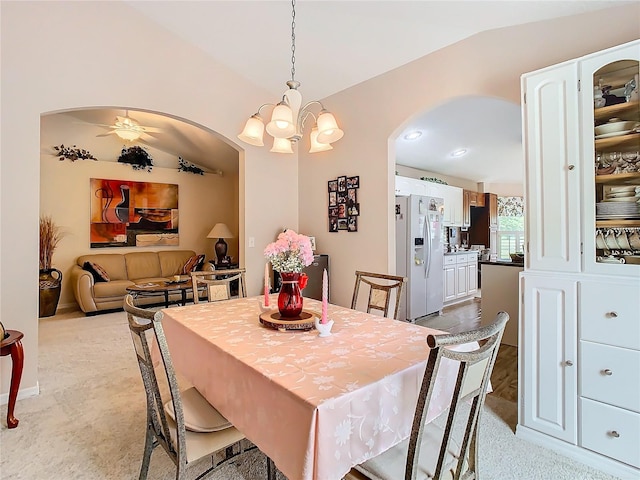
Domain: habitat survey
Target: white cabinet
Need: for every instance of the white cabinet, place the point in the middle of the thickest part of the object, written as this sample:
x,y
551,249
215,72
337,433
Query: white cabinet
x,y
451,195
460,276
548,371
566,290
552,164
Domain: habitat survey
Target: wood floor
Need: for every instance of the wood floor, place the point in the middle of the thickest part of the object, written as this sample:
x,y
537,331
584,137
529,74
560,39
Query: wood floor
x,y
466,316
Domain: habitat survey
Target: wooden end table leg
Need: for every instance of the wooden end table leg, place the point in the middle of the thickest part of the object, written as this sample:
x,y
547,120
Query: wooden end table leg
x,y
166,299
17,357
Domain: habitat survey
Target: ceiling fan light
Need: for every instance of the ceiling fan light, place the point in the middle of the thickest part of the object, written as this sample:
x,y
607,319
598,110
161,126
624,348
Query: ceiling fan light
x,y
281,124
128,134
317,146
328,130
281,145
253,131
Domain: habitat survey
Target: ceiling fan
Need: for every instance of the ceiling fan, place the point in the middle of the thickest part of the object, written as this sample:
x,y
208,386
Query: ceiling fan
x,y
128,128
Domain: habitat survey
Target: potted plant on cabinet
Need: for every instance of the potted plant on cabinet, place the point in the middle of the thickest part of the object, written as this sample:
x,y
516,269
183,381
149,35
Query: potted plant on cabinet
x,y
50,280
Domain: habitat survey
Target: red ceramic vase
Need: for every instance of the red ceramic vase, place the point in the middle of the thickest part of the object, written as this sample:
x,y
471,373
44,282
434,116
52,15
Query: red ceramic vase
x,y
290,296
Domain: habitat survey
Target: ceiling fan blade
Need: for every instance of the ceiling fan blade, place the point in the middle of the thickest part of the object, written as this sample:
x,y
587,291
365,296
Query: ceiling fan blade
x,y
105,134
151,129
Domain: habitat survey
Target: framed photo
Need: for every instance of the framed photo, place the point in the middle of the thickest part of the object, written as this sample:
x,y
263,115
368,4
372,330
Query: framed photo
x,y
342,224
342,211
333,185
342,184
351,196
352,225
333,211
342,197
313,243
333,224
333,199
353,182
353,210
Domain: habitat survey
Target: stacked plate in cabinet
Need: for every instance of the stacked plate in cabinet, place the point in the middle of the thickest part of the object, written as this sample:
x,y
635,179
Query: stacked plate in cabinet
x,y
619,202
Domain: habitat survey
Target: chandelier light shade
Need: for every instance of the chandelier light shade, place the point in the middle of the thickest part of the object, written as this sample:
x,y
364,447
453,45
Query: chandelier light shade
x,y
288,117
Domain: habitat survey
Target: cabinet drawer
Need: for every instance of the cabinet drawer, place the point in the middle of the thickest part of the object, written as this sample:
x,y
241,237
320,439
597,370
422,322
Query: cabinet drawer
x,y
610,431
449,260
610,374
610,313
462,258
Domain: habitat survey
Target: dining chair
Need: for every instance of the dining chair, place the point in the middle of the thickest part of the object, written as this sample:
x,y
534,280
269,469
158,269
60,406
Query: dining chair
x,y
216,284
184,423
381,287
430,451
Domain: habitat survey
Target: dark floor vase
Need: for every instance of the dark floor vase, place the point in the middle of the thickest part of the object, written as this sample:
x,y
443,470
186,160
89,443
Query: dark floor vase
x,y
50,286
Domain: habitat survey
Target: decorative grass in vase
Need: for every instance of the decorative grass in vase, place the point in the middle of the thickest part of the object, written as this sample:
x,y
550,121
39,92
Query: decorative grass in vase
x,y
50,236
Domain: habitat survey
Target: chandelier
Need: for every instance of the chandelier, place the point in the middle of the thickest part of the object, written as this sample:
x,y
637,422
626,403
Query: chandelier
x,y
289,116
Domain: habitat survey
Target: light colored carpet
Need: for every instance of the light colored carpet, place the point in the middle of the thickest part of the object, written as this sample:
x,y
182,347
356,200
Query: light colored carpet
x,y
88,421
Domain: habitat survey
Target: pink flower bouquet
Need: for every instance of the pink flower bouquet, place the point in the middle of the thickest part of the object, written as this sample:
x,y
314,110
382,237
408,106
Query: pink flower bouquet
x,y
290,253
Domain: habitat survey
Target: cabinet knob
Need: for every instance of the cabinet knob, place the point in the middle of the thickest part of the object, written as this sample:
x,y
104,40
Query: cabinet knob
x,y
607,372
569,363
571,167
614,434
612,314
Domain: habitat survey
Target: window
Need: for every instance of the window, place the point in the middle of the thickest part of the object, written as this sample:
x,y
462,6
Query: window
x,y
510,226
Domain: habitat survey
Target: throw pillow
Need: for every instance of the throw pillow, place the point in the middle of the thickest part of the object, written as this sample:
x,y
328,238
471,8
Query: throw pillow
x,y
99,273
192,264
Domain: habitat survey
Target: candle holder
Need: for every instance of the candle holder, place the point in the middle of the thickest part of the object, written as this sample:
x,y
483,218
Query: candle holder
x,y
263,307
324,329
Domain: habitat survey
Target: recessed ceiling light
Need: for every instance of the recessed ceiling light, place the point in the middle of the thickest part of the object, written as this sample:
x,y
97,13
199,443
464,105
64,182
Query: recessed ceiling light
x,y
459,152
415,134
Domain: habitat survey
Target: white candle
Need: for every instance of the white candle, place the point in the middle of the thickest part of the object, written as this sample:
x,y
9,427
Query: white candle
x,y
325,290
266,284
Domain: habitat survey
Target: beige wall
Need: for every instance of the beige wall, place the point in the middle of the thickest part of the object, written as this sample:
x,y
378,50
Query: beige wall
x,y
62,55
373,113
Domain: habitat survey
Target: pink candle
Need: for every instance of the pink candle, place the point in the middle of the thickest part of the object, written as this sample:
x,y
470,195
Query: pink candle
x,y
325,289
266,284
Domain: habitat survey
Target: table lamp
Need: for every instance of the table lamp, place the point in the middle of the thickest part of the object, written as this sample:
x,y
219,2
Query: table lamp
x,y
220,231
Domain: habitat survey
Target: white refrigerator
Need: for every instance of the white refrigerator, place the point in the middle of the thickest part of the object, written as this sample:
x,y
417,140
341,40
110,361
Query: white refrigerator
x,y
419,254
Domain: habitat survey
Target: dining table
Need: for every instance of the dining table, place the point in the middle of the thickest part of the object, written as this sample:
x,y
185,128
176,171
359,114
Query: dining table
x,y
316,406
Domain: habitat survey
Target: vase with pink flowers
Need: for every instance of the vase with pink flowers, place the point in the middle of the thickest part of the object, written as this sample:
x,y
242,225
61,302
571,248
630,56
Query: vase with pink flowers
x,y
288,255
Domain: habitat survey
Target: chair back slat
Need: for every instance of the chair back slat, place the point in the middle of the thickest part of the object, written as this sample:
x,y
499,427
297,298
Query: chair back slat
x,y
143,324
381,289
216,284
474,372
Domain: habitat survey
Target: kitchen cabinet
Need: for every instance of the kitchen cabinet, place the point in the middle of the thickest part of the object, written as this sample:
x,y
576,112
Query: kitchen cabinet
x,y
484,224
452,196
569,286
460,276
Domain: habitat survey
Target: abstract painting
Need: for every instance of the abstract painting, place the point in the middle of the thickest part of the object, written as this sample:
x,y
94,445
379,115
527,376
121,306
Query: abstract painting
x,y
129,214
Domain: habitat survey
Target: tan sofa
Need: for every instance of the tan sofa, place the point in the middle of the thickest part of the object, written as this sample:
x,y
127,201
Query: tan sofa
x,y
124,270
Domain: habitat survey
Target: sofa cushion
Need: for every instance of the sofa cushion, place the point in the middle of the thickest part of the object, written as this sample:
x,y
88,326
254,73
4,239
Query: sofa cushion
x,y
112,263
114,288
172,261
142,264
99,273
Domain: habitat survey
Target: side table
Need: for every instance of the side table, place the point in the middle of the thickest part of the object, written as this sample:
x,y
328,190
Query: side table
x,y
13,346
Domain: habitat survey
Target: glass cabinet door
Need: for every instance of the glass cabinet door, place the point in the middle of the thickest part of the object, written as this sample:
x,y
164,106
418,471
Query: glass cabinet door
x,y
611,140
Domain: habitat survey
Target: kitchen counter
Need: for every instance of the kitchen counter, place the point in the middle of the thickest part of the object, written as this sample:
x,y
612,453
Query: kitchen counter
x,y
506,263
460,252
500,292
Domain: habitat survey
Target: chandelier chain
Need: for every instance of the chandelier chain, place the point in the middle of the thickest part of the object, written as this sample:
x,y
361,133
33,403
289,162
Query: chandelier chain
x,y
293,39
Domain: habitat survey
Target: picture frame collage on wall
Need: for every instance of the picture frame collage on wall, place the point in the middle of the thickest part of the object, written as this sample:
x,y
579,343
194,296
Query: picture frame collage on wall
x,y
344,208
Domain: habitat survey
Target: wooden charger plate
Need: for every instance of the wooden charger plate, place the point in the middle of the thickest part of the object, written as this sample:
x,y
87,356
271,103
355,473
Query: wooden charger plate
x,y
302,322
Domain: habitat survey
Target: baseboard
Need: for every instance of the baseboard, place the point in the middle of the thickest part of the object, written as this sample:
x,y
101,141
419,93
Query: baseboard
x,y
582,455
22,393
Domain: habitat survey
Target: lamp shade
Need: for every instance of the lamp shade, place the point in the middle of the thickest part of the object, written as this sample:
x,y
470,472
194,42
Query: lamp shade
x,y
328,130
220,230
317,146
253,131
281,124
281,145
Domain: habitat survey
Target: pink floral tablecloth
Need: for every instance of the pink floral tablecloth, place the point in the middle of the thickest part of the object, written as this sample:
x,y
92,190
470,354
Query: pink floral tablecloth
x,y
316,406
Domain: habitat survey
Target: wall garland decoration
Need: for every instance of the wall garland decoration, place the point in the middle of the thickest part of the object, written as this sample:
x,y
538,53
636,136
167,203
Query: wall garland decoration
x,y
344,208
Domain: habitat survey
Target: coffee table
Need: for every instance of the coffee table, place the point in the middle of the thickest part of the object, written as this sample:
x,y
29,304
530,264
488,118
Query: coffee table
x,y
161,288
